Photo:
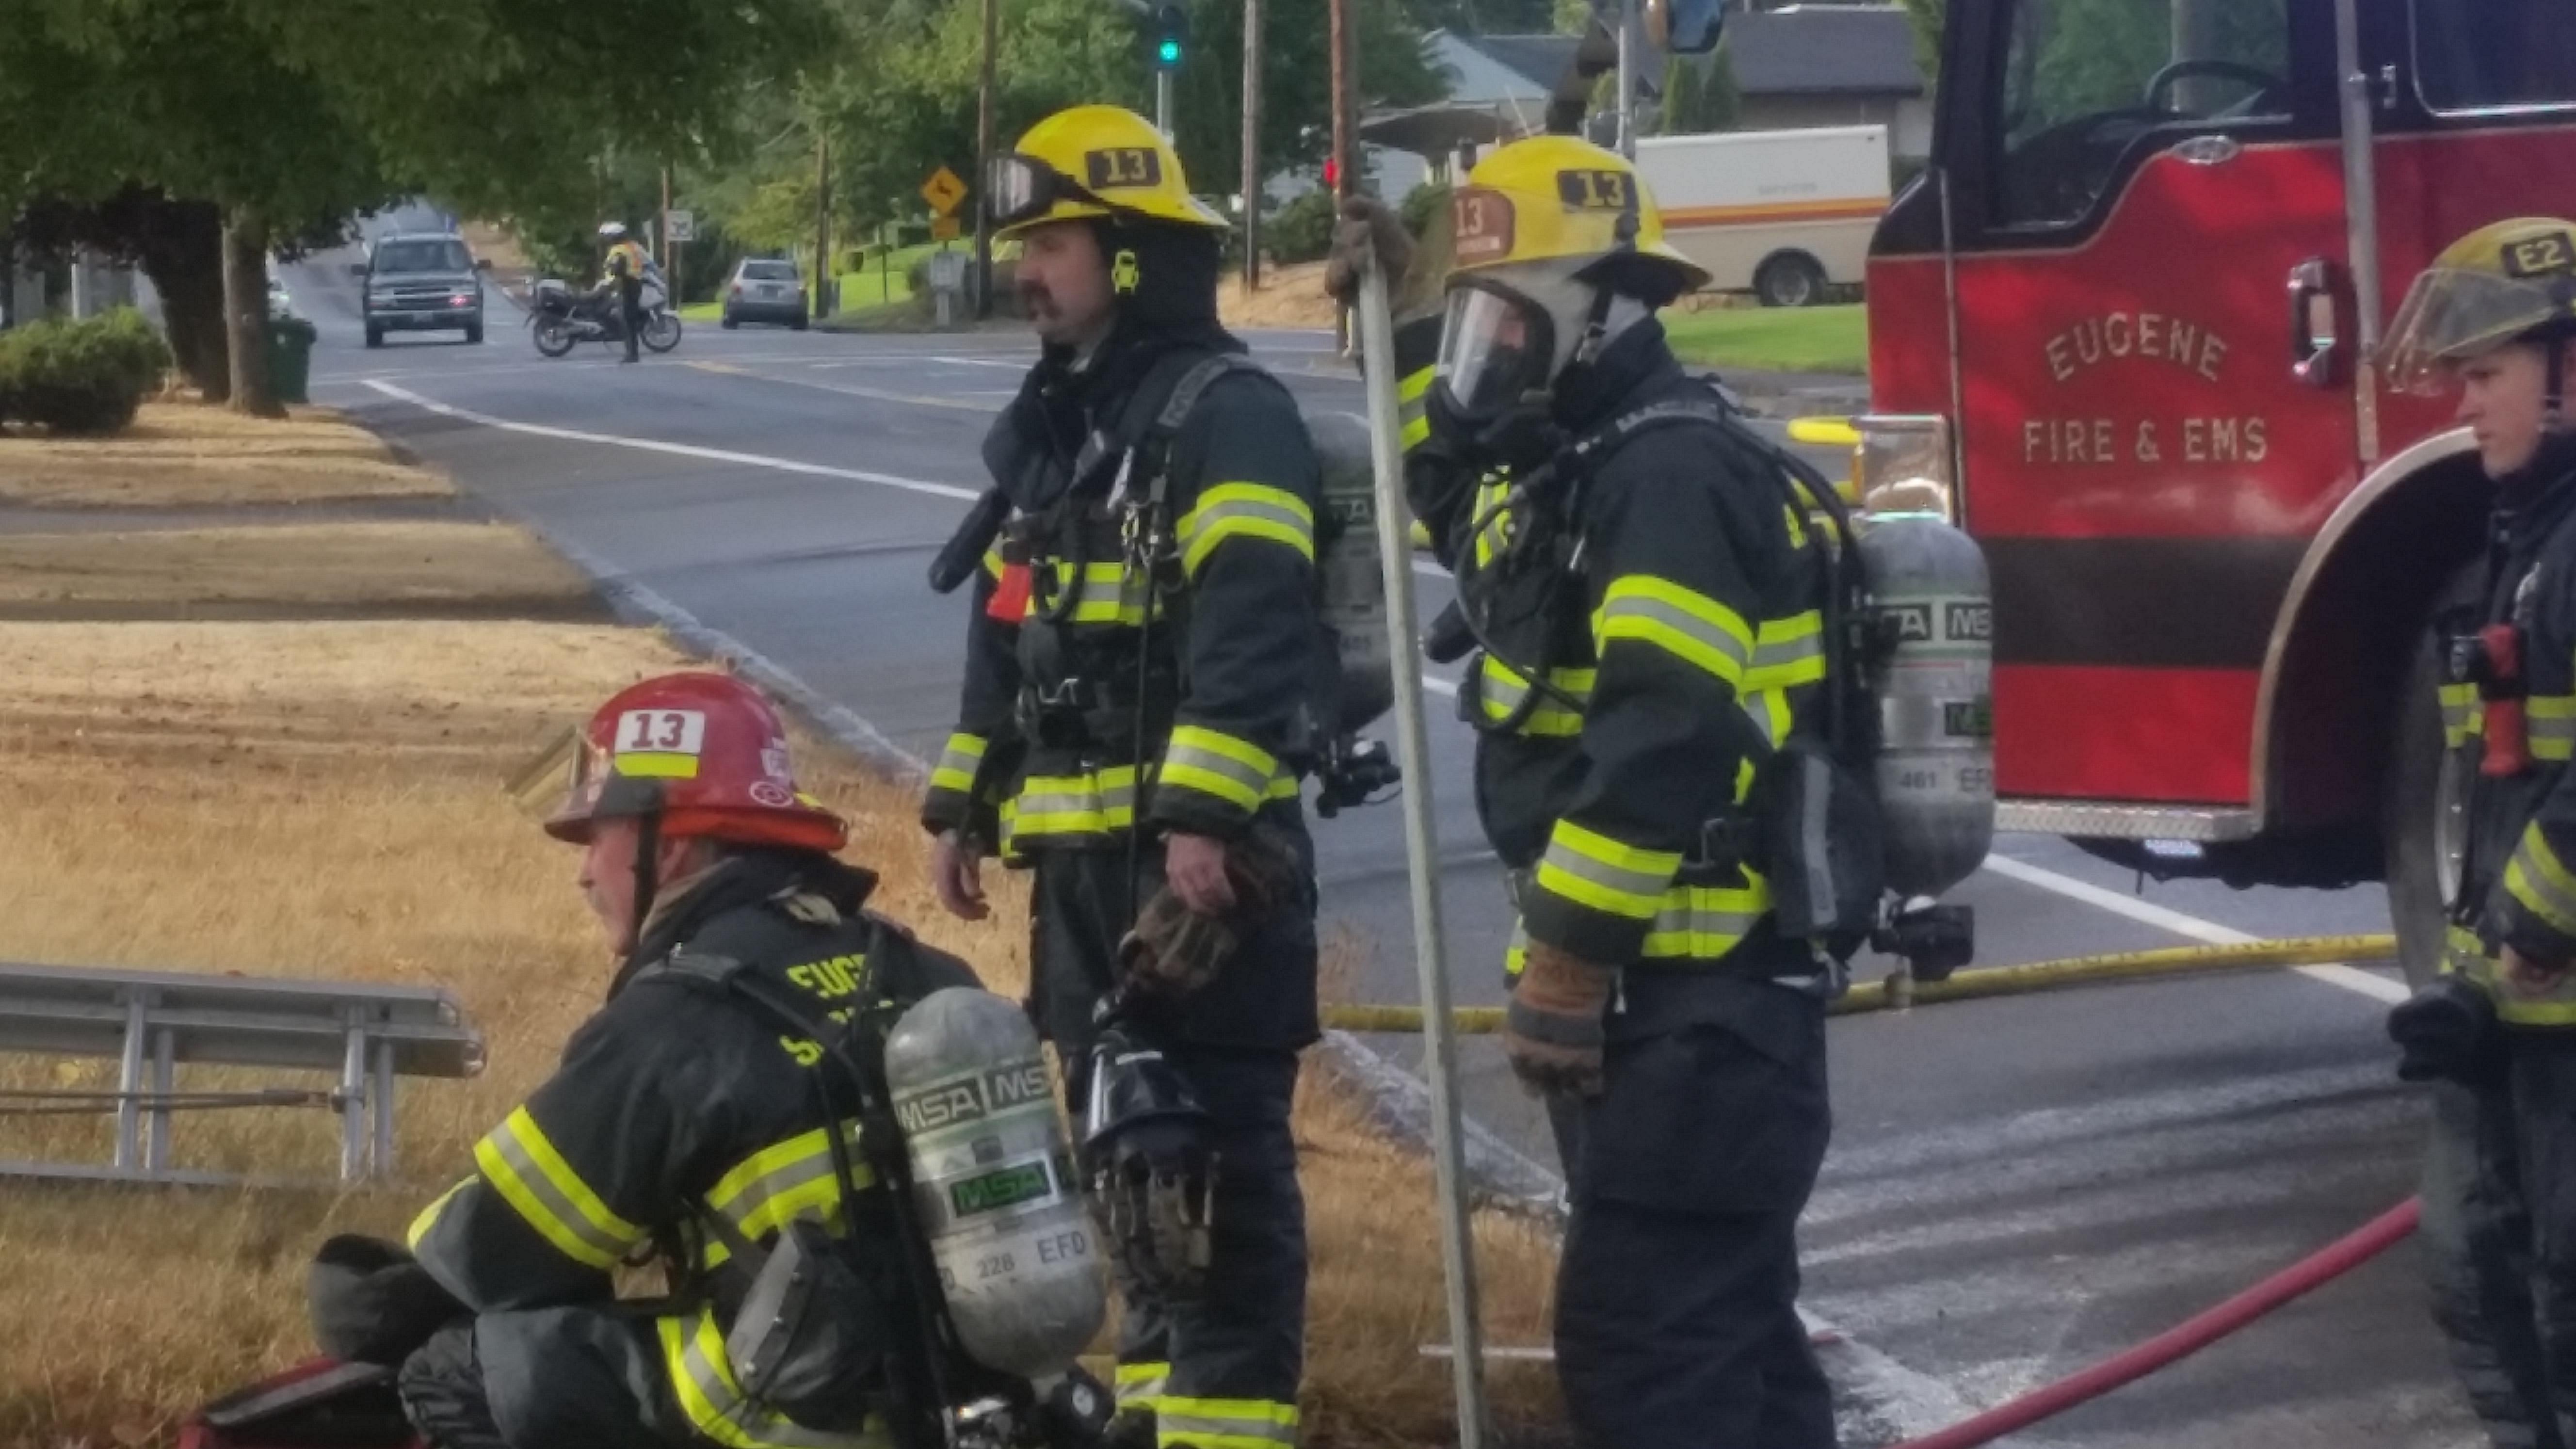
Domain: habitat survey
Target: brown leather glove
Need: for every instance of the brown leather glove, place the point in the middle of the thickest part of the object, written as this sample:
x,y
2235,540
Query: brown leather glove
x,y
1366,227
1552,1029
1173,951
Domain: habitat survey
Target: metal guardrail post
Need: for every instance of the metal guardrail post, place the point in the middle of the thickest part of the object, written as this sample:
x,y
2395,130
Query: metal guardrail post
x,y
165,1079
129,1083
380,1105
353,1100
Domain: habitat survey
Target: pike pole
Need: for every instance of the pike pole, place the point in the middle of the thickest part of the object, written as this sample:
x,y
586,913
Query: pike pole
x,y
1422,855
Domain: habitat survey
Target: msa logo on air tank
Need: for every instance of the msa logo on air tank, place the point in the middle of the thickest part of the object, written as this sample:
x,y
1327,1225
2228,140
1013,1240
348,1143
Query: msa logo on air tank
x,y
1958,620
961,1100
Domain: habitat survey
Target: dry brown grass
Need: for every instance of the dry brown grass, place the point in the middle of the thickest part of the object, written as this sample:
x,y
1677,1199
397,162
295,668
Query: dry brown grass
x,y
323,799
398,568
189,455
1291,296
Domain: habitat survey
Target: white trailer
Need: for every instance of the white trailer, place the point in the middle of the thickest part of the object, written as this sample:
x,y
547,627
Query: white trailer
x,y
1777,213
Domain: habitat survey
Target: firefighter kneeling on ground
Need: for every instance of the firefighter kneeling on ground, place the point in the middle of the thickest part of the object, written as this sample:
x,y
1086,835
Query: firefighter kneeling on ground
x,y
1142,654
1645,589
681,1122
2495,317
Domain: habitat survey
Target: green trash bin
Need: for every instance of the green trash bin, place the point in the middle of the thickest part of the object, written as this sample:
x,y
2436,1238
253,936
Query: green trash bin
x,y
290,358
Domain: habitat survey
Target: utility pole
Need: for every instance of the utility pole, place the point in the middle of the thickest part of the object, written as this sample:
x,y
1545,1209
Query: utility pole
x,y
822,223
1251,146
1344,184
984,167
670,248
1627,83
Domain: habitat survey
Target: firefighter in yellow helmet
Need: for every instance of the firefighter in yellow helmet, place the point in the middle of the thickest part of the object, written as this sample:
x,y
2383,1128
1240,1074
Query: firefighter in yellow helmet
x,y
1134,726
1644,588
2494,318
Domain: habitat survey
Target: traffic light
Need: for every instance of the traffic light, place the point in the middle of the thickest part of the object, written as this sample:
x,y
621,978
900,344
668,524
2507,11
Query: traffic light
x,y
1171,36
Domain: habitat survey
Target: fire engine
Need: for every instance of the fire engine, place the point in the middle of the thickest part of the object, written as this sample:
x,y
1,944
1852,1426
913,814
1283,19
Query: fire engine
x,y
2121,328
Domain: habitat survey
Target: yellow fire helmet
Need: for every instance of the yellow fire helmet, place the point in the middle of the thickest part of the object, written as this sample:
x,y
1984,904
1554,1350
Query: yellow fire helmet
x,y
1091,161
2498,284
1555,198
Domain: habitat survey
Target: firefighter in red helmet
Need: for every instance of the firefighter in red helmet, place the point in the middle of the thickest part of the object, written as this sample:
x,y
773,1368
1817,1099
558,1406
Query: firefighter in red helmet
x,y
680,1120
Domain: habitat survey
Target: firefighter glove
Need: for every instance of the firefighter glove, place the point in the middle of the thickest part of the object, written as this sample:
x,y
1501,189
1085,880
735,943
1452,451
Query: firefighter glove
x,y
1173,950
1366,227
1552,1029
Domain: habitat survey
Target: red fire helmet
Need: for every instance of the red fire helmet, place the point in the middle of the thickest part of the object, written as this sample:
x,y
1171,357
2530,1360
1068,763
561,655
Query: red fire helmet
x,y
703,751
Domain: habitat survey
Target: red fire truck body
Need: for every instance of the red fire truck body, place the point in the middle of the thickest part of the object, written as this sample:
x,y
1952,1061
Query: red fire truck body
x,y
2121,329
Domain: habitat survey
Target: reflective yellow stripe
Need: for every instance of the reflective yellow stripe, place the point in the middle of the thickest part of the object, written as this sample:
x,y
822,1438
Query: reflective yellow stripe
x,y
1093,804
2461,716
2537,880
1686,624
1211,762
1416,430
2551,726
1593,870
1224,1423
702,1379
1502,689
1244,510
1283,788
420,1225
1104,593
1704,923
533,1177
994,564
779,1184
958,763
1141,1385
1496,535
1414,385
1516,951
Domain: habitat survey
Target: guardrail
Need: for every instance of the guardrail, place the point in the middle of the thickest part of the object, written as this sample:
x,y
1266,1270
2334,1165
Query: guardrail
x,y
152,1022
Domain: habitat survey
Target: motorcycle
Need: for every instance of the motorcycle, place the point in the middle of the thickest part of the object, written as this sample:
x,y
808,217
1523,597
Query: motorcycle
x,y
559,317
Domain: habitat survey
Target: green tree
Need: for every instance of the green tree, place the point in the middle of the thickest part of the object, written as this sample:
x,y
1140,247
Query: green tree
x,y
1700,93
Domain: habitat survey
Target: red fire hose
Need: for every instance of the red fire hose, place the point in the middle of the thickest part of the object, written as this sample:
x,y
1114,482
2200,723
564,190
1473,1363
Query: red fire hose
x,y
2181,1340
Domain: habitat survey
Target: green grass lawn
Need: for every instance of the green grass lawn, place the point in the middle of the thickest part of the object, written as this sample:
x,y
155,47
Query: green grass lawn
x,y
1774,339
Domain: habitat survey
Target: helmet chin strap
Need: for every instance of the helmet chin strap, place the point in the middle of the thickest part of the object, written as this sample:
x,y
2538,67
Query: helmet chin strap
x,y
648,883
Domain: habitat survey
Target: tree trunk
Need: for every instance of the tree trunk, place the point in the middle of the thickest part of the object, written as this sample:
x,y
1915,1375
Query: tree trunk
x,y
246,313
180,245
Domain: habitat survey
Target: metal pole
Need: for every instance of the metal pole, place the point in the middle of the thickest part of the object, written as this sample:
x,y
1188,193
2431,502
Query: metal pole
x,y
1338,39
1163,102
1251,146
983,166
1627,82
1422,849
822,224
2361,223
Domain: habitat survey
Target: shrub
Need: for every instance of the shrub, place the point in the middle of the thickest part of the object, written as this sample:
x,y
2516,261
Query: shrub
x,y
80,377
1301,231
1421,204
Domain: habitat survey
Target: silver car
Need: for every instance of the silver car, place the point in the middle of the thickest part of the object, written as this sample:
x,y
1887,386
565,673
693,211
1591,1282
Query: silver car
x,y
765,291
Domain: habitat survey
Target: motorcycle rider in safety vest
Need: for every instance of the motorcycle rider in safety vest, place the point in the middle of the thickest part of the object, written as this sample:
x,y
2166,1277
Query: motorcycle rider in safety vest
x,y
622,273
1136,718
2494,316
1645,592
680,1120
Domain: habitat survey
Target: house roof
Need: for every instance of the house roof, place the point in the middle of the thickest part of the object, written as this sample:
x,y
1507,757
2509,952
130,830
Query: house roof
x,y
1799,50
1824,50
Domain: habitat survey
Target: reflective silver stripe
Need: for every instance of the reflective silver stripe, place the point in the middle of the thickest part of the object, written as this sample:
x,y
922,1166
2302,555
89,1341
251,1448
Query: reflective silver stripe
x,y
1704,923
1631,890
1773,656
1636,608
1260,1425
547,1206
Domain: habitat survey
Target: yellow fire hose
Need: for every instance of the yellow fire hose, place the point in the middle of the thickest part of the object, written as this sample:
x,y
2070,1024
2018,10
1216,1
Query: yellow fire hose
x,y
1902,990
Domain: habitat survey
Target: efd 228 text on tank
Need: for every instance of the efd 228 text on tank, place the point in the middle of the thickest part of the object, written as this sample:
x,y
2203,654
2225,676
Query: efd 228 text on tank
x,y
2184,351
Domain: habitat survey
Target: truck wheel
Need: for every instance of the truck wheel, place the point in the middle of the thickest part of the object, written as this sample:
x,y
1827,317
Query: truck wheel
x,y
1791,279
2425,822
375,335
474,335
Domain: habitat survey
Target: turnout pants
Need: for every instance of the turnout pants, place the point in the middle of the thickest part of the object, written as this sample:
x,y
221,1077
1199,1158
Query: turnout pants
x,y
630,314
1222,1372
546,1378
2500,1241
1677,1323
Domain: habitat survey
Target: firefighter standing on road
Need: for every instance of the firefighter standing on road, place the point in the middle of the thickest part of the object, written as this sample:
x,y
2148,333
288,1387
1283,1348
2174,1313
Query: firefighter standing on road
x,y
1141,648
2495,316
624,274
1647,600
676,1100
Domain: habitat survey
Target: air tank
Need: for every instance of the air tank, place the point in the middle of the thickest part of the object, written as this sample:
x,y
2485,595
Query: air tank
x,y
1935,689
1346,557
994,1182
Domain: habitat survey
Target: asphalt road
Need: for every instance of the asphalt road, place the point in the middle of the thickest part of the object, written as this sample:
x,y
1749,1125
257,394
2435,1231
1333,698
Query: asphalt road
x,y
2016,1187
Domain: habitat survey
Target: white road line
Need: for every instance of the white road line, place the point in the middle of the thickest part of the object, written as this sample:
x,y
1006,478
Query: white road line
x,y
681,450
726,369
2163,918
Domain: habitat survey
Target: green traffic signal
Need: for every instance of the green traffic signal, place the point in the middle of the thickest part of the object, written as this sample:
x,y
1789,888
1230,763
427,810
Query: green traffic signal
x,y
1171,30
